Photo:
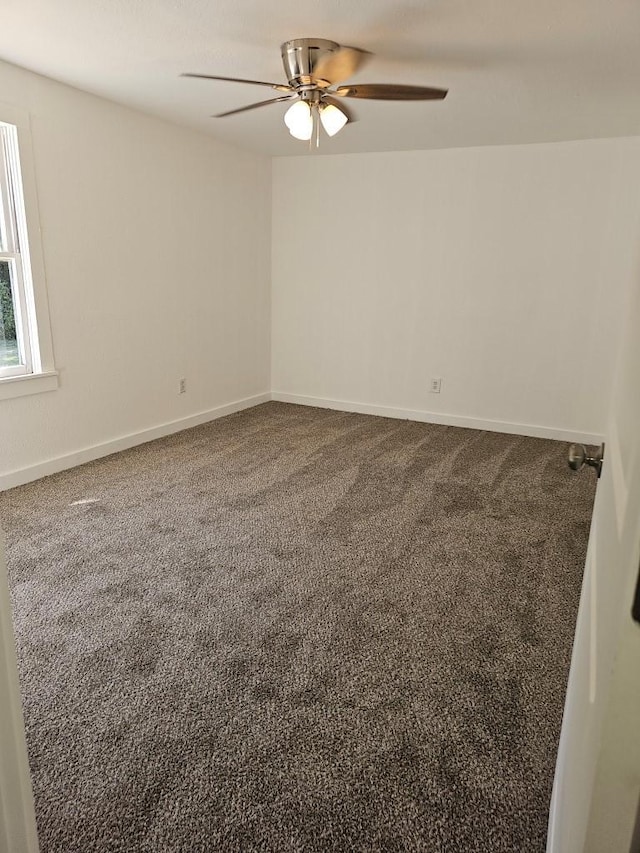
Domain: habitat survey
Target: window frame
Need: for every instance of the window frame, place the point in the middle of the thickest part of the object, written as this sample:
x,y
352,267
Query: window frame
x,y
21,228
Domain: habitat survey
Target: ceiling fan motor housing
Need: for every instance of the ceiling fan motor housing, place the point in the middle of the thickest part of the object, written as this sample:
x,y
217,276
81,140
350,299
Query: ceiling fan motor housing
x,y
301,57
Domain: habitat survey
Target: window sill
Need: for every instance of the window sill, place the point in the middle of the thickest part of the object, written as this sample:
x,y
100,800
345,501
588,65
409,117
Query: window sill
x,y
33,383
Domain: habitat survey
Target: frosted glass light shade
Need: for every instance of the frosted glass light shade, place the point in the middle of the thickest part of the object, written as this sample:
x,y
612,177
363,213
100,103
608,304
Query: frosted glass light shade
x,y
332,118
299,120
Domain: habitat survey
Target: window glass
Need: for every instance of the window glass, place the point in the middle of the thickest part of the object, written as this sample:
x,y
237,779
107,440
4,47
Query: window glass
x,y
9,349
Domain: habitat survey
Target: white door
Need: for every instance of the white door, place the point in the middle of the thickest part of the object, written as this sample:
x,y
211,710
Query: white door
x,y
17,819
597,783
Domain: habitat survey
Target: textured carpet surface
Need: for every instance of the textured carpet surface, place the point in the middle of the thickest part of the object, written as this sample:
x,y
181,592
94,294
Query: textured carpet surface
x,y
298,630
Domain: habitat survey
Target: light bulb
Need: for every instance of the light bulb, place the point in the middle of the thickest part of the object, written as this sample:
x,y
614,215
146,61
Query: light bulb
x,y
299,120
332,118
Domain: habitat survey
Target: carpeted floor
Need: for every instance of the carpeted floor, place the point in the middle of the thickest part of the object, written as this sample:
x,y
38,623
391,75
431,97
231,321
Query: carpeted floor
x,y
298,630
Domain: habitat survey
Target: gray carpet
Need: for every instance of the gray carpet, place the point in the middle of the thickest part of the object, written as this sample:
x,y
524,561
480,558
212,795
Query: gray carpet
x,y
298,630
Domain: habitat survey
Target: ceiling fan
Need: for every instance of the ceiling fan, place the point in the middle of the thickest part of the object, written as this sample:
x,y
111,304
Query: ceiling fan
x,y
313,67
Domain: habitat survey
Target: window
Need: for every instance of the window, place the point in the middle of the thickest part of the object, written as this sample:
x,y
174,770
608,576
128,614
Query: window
x,y
15,345
25,340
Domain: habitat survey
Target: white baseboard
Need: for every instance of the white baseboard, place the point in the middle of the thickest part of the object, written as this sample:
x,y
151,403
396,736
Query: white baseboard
x,y
532,430
124,442
87,454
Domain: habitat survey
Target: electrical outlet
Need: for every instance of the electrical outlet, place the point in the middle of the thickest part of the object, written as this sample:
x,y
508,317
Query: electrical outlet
x,y
182,386
436,385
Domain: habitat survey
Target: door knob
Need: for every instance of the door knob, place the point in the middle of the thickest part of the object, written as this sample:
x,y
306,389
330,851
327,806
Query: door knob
x,y
579,456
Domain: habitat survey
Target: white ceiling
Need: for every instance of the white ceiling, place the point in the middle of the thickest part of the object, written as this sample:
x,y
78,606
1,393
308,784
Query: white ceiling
x,y
517,70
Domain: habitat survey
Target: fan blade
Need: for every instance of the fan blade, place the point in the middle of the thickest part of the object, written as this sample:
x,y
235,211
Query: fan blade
x,y
279,87
390,92
255,106
340,65
327,99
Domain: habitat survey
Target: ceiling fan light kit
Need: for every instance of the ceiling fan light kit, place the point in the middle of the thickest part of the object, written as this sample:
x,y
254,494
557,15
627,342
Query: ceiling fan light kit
x,y
299,120
313,67
303,115
332,118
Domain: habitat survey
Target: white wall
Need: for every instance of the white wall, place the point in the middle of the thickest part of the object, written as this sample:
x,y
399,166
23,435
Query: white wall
x,y
501,270
156,245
